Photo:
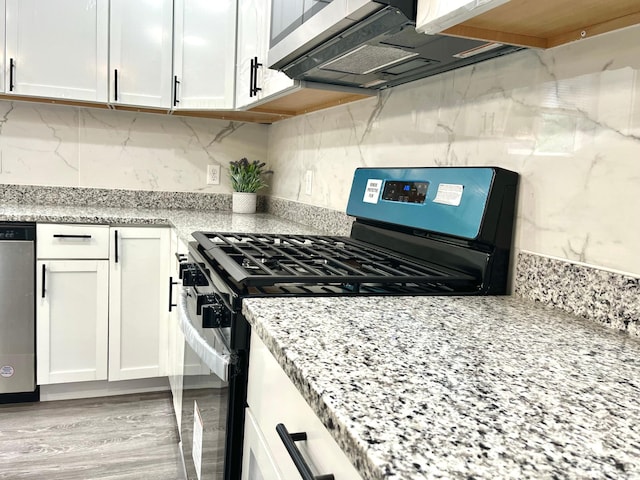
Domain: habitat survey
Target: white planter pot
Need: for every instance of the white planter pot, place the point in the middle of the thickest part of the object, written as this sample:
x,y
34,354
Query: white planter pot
x,y
244,202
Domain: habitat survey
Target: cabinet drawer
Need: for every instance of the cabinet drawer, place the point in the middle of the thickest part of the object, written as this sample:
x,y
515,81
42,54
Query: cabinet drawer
x,y
320,450
72,241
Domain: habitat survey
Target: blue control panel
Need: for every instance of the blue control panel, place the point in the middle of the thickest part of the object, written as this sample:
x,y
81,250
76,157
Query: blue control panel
x,y
448,200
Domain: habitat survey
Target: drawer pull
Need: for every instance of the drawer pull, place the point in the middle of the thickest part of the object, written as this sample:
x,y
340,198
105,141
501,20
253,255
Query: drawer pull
x,y
289,439
12,68
171,284
115,247
60,235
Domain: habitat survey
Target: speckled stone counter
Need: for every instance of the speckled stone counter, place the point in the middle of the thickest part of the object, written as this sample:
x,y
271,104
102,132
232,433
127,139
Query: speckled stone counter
x,y
462,388
185,221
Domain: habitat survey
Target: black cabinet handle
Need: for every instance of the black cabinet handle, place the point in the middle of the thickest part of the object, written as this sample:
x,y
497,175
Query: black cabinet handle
x,y
176,82
253,81
289,439
115,238
12,66
60,235
251,76
44,273
171,284
256,65
115,84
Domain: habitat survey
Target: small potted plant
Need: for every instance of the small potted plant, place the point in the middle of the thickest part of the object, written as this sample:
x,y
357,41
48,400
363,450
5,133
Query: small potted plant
x,y
246,179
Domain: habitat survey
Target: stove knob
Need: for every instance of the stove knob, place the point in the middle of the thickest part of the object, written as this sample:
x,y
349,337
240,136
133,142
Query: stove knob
x,y
203,299
188,277
193,276
186,268
215,316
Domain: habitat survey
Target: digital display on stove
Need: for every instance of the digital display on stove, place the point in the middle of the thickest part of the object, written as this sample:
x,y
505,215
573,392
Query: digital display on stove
x,y
405,192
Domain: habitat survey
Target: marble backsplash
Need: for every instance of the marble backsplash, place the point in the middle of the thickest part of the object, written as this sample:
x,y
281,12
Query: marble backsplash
x,y
65,146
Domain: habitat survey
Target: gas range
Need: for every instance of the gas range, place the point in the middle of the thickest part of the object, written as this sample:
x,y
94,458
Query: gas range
x,y
417,231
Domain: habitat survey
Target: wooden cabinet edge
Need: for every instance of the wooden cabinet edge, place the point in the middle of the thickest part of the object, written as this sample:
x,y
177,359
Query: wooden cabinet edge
x,y
269,112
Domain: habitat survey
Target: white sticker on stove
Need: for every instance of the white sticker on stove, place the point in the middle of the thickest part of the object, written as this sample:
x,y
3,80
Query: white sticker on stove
x,y
7,371
372,192
449,194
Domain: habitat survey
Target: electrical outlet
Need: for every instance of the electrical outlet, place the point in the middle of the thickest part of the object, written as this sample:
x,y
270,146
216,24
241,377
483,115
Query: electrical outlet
x,y
308,181
213,174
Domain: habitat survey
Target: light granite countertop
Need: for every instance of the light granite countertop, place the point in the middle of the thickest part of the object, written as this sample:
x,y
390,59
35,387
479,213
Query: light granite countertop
x,y
184,221
461,387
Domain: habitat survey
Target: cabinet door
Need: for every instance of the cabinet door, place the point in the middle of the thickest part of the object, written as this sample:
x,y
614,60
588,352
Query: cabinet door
x,y
2,44
257,463
253,45
204,54
140,52
138,302
253,31
72,320
57,49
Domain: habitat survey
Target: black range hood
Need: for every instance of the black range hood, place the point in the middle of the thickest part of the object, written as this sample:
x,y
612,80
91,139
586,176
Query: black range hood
x,y
379,50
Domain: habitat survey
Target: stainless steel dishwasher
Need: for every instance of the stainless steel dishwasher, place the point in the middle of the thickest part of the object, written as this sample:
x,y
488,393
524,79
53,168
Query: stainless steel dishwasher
x,y
17,313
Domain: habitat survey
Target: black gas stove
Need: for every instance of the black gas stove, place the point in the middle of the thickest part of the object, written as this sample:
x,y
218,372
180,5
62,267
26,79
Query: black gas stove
x,y
417,231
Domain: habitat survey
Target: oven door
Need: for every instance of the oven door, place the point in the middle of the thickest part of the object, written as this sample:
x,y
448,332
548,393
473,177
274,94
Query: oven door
x,y
205,398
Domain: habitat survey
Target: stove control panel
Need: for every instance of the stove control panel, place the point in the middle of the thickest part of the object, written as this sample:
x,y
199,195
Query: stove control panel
x,y
465,202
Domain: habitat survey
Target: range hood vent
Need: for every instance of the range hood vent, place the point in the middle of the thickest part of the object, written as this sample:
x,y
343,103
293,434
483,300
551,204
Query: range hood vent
x,y
367,59
381,50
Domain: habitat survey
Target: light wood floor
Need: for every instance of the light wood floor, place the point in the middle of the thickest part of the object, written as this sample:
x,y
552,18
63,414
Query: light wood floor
x,y
124,437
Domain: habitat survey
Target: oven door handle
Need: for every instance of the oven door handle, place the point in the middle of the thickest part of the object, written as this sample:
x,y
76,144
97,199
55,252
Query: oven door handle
x,y
218,361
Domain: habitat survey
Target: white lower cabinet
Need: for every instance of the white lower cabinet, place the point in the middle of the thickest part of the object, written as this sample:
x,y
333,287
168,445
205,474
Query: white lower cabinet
x,y
265,456
72,303
138,302
72,320
102,308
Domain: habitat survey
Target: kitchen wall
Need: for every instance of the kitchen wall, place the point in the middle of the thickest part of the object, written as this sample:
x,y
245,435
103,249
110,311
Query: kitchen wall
x,y
567,119
65,146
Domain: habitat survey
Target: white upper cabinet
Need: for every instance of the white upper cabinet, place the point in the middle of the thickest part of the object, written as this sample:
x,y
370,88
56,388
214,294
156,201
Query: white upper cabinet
x,y
252,38
140,53
204,54
57,49
255,81
3,4
434,16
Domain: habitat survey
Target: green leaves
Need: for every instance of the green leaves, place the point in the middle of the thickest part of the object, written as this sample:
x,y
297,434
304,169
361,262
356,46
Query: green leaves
x,y
247,176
